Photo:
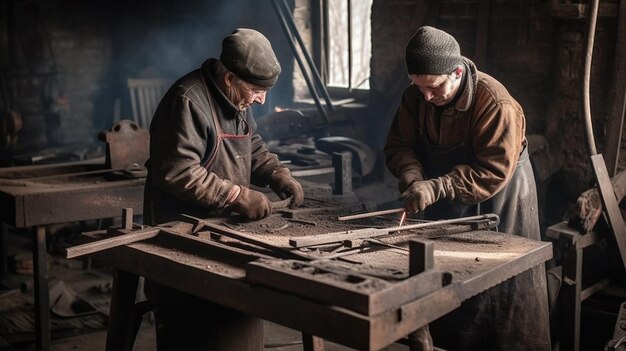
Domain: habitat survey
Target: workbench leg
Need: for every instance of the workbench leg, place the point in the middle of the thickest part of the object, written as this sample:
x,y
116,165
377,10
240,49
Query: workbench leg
x,y
312,342
122,327
420,340
571,300
42,303
4,252
421,259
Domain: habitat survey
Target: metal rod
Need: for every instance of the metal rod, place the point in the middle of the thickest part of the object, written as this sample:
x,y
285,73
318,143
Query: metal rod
x,y
591,30
314,72
370,214
444,221
250,239
312,90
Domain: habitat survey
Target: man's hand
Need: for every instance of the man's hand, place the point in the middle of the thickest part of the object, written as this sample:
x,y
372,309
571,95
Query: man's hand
x,y
252,204
285,186
407,177
422,193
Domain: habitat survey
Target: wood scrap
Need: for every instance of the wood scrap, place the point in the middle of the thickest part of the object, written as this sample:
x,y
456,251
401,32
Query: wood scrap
x,y
588,208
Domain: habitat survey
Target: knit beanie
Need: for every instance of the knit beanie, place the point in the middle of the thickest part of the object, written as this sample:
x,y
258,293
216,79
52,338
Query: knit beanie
x,y
249,55
432,51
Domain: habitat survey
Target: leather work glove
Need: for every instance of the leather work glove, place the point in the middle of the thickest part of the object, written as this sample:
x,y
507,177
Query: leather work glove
x,y
285,186
407,177
423,193
252,204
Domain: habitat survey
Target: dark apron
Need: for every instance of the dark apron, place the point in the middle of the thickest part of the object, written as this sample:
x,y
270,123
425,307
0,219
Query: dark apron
x,y
185,322
514,314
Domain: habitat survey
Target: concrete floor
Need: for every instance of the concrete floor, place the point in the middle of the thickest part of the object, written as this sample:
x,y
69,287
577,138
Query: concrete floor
x,y
277,338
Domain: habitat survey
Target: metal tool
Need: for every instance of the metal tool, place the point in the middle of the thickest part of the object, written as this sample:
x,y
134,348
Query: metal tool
x,y
370,214
373,232
402,219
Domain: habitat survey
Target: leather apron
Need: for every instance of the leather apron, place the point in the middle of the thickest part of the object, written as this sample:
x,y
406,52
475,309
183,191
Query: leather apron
x,y
514,314
186,322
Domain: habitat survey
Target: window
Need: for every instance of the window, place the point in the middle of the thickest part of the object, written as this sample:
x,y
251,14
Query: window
x,y
348,44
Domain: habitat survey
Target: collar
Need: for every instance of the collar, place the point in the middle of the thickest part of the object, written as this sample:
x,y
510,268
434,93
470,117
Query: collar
x,y
469,89
208,71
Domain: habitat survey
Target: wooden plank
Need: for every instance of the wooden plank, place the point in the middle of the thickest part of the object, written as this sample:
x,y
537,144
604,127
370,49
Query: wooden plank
x,y
617,95
105,244
370,214
251,239
340,287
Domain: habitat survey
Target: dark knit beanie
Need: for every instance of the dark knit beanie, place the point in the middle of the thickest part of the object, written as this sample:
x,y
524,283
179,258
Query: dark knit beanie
x,y
432,51
249,55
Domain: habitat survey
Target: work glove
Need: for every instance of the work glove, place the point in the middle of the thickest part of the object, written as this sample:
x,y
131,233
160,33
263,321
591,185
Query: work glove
x,y
407,177
252,204
423,193
285,186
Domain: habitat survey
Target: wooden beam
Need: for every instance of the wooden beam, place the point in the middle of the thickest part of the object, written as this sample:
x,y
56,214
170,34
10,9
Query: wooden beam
x,y
617,96
125,239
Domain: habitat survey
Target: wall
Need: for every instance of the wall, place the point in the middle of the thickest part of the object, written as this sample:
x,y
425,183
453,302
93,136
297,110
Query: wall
x,y
66,62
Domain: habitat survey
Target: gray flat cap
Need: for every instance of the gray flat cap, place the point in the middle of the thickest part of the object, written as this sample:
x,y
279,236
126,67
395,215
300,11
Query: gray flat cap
x,y
249,55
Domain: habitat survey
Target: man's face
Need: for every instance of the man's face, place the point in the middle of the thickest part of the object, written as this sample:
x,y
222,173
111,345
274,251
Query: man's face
x,y
243,94
439,90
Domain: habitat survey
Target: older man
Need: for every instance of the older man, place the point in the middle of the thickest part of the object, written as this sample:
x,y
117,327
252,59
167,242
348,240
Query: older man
x,y
204,154
458,147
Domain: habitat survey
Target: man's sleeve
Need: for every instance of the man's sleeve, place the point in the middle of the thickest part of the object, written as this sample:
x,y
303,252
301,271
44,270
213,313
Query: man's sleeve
x,y
179,139
264,163
402,138
497,141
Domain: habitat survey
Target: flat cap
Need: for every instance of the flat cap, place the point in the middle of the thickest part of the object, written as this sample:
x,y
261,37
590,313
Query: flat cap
x,y
432,51
249,55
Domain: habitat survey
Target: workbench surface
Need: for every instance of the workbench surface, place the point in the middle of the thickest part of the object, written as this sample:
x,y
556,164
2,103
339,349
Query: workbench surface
x,y
373,306
60,193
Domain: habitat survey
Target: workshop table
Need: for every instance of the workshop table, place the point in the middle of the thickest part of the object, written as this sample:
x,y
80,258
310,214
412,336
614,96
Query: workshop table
x,y
37,196
223,270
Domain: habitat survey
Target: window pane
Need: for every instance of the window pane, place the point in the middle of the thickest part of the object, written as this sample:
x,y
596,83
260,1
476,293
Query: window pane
x,y
338,58
361,43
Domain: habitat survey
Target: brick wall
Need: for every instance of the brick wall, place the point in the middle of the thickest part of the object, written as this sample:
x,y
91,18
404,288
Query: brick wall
x,y
97,45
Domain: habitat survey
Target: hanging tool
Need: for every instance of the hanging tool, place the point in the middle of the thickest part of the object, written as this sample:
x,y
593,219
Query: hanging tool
x,y
614,216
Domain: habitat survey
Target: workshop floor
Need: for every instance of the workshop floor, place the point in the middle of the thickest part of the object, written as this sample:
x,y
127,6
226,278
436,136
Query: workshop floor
x,y
93,284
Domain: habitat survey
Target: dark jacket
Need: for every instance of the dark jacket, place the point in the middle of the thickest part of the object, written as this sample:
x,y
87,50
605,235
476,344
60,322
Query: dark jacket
x,y
183,139
485,117
479,152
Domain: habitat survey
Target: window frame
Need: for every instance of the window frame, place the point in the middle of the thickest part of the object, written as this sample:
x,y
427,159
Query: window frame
x,y
321,43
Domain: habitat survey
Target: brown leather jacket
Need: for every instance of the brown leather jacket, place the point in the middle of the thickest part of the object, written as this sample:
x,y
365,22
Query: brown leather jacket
x,y
183,138
485,117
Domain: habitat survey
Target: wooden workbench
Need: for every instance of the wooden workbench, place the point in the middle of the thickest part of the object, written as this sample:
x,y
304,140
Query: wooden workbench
x,y
37,196
216,270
